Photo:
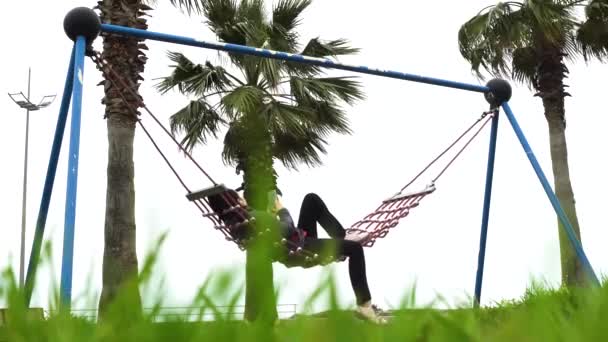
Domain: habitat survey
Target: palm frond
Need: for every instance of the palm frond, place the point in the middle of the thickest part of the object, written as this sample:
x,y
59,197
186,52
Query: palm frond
x,y
319,116
232,145
554,19
293,149
286,13
190,6
243,99
219,13
327,89
196,79
592,35
197,122
222,20
288,118
488,39
271,70
328,118
251,11
331,48
321,49
525,65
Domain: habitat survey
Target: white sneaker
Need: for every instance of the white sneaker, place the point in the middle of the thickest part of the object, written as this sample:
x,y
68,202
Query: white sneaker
x,y
371,313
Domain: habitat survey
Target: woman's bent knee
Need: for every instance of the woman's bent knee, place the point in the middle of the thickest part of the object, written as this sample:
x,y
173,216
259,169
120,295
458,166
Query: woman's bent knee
x,y
312,197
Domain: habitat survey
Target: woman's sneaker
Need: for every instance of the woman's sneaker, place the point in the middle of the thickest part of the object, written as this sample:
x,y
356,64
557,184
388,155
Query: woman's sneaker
x,y
371,313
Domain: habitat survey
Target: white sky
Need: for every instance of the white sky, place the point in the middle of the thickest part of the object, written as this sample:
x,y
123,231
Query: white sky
x,y
398,129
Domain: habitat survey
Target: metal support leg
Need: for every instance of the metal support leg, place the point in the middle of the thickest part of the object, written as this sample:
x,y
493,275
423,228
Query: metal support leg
x,y
486,210
580,253
49,181
70,200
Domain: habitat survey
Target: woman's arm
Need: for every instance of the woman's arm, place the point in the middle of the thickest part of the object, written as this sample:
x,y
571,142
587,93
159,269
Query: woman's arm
x,y
288,227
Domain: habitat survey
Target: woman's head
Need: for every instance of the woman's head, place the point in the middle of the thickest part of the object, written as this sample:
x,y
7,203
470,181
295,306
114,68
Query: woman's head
x,y
223,201
220,203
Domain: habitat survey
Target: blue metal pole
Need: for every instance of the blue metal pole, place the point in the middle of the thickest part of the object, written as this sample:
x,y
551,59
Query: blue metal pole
x,y
70,200
486,209
552,198
324,62
49,181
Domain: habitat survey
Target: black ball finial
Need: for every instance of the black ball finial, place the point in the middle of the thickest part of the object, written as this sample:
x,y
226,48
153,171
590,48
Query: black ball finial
x,y
82,21
500,92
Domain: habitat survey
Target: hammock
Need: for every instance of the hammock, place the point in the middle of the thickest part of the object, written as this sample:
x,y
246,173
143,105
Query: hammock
x,y
366,231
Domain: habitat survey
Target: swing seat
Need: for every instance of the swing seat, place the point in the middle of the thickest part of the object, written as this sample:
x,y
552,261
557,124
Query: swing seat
x,y
206,192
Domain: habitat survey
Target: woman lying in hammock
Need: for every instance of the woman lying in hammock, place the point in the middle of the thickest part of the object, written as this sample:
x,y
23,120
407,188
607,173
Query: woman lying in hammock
x,y
313,211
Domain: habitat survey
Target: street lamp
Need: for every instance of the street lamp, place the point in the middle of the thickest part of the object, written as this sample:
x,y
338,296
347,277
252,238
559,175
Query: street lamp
x,y
24,102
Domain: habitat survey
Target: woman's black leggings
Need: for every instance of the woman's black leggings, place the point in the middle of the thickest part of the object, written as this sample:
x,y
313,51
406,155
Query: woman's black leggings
x,y
315,211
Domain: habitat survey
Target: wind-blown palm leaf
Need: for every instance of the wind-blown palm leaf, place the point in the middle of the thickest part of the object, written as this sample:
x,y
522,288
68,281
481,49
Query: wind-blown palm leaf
x,y
271,70
490,39
292,149
222,20
252,11
329,89
190,6
233,140
484,38
197,121
524,65
332,48
244,99
321,49
194,79
592,35
219,13
286,13
329,117
285,117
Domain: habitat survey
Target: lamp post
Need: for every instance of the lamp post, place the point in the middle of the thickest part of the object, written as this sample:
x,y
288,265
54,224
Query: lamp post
x,y
24,102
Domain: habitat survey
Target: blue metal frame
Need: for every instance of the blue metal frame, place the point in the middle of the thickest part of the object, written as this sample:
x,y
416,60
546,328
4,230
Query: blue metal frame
x,y
578,248
486,209
49,181
72,182
74,85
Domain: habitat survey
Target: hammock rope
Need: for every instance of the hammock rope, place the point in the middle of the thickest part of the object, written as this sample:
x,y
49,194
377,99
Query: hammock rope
x,y
378,223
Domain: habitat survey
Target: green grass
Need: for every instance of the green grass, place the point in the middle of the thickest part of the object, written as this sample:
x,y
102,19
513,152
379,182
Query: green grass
x,y
540,315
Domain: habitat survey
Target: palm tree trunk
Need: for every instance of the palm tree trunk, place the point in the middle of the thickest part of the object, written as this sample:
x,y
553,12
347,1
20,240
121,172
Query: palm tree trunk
x,y
552,73
124,55
120,267
259,178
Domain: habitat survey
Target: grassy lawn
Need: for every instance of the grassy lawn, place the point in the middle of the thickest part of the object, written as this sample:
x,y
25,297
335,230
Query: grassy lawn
x,y
539,316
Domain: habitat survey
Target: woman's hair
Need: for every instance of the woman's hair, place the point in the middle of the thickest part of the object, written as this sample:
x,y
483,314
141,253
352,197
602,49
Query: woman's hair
x,y
223,201
220,203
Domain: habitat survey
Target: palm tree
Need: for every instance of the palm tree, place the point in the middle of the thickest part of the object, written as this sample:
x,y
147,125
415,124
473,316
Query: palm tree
x,y
126,56
270,109
530,42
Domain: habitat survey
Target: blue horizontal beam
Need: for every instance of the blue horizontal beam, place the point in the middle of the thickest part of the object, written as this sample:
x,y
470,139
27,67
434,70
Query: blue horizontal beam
x,y
323,62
